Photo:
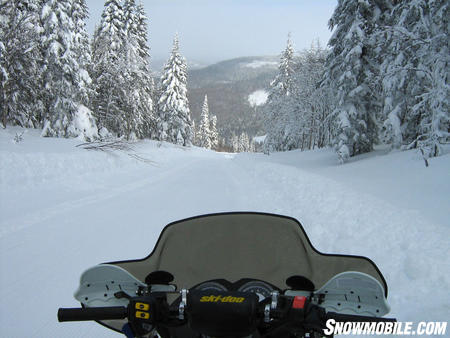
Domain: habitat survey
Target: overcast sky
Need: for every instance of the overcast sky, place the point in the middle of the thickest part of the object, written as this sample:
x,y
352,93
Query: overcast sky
x,y
215,30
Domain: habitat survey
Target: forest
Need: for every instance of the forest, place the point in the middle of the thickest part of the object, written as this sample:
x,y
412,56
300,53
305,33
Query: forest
x,y
381,79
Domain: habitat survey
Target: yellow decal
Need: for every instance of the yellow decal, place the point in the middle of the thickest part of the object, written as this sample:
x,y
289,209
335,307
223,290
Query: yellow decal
x,y
227,299
142,306
143,315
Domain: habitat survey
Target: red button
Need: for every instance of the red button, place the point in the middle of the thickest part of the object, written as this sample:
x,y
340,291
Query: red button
x,y
299,302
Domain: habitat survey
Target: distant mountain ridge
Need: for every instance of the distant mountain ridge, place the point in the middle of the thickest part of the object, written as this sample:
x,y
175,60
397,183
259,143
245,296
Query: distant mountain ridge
x,y
228,85
234,70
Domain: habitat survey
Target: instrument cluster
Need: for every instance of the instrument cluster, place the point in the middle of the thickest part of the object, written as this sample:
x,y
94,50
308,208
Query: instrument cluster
x,y
261,288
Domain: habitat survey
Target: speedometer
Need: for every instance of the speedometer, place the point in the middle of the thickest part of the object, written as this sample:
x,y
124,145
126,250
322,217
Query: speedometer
x,y
211,286
262,289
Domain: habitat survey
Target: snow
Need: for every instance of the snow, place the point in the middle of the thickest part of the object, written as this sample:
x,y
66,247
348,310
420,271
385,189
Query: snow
x,y
260,63
259,139
65,209
258,98
83,125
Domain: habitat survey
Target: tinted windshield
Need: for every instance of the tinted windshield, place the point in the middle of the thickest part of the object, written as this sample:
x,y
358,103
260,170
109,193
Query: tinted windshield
x,y
243,245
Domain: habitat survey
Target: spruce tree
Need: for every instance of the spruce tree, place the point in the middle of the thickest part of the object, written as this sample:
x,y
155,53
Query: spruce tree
x,y
20,69
243,143
204,132
130,59
214,133
60,73
173,107
146,87
313,102
351,72
280,104
415,75
107,71
82,52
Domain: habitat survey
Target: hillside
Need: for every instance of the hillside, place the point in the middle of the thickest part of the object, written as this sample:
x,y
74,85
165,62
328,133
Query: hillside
x,y
228,85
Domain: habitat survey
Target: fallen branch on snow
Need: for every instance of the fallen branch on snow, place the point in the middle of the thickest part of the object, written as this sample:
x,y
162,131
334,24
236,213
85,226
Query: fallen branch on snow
x,y
114,145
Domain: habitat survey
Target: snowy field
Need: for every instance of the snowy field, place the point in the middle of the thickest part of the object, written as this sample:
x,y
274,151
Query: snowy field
x,y
64,209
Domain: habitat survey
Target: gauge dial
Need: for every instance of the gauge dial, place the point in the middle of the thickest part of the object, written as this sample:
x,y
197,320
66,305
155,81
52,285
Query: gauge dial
x,y
211,286
262,289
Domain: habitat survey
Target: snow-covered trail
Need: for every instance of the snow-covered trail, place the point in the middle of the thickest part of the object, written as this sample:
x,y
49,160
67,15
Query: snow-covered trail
x,y
52,230
43,249
61,229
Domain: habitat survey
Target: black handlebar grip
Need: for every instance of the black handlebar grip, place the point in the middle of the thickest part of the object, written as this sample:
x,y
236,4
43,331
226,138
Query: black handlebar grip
x,y
339,317
92,313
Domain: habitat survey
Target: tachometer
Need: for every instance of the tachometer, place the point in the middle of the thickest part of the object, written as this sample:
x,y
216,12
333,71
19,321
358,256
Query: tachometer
x,y
261,288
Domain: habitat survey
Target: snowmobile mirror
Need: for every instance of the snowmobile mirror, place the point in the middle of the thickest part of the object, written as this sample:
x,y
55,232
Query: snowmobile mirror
x,y
300,283
159,277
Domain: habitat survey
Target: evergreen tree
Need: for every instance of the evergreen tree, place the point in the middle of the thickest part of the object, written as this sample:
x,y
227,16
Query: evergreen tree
x,y
82,52
174,115
20,103
279,105
235,143
107,71
243,143
351,72
62,117
415,73
132,114
214,133
314,103
194,133
204,132
122,73
146,85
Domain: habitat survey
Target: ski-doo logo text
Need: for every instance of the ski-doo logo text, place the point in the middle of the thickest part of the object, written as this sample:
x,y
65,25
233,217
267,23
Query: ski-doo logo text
x,y
385,328
228,299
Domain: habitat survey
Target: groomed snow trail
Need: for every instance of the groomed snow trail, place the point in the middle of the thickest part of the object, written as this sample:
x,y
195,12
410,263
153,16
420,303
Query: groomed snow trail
x,y
64,211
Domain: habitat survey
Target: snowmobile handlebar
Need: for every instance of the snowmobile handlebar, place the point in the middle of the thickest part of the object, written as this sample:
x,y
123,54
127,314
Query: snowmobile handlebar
x,y
216,314
92,313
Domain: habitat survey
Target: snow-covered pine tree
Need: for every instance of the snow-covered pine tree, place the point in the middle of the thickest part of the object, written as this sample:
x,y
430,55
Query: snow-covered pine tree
x,y
130,58
244,143
434,128
20,67
175,123
415,76
351,73
60,74
107,72
204,132
235,143
82,51
194,133
147,86
84,119
401,83
214,133
313,104
279,103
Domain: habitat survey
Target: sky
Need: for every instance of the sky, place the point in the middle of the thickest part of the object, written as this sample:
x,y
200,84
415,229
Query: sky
x,y
216,30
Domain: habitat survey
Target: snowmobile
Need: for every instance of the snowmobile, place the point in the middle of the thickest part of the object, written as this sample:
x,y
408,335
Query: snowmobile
x,y
238,274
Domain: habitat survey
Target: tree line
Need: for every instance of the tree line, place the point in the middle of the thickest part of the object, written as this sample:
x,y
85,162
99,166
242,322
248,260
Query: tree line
x,y
54,77
384,78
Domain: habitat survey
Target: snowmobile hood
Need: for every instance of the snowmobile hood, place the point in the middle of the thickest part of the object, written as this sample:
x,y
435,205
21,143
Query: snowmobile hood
x,y
243,245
